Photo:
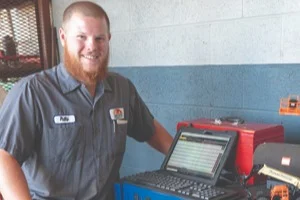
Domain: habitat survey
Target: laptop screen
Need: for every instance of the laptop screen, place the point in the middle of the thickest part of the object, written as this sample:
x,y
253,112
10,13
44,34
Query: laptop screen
x,y
199,153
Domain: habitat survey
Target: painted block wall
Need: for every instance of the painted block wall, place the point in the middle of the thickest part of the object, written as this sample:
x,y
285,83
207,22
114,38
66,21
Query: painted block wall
x,y
173,94
196,32
191,59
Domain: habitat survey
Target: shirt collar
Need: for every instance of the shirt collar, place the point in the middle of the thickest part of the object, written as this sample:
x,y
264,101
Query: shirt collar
x,y
68,83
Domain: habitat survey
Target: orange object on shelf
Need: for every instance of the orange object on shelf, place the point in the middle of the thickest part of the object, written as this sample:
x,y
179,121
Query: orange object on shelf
x,y
281,191
290,105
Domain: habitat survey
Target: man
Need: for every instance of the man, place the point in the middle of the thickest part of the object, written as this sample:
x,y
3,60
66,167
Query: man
x,y
67,126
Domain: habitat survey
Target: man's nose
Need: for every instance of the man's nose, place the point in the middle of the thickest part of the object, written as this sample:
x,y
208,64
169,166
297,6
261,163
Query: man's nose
x,y
91,44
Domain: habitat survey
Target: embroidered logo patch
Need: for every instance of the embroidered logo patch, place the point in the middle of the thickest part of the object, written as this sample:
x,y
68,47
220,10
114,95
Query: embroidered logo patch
x,y
116,113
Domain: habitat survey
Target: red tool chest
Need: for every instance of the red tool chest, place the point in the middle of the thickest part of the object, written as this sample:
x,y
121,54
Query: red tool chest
x,y
250,135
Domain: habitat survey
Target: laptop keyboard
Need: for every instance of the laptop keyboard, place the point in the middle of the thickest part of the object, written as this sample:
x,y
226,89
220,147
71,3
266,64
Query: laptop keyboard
x,y
181,186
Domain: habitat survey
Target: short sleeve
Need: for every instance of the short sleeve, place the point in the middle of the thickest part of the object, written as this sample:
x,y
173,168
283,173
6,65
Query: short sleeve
x,y
141,123
17,119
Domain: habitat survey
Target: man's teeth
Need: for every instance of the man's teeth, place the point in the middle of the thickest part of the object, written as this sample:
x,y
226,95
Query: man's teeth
x,y
90,57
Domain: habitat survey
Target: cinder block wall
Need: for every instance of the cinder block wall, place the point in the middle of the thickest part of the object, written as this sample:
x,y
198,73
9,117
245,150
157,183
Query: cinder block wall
x,y
192,59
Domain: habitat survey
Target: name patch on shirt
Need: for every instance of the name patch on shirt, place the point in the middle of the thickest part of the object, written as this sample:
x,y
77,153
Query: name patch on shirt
x,y
64,119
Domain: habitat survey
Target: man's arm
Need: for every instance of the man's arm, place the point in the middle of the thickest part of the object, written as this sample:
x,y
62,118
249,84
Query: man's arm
x,y
161,139
13,184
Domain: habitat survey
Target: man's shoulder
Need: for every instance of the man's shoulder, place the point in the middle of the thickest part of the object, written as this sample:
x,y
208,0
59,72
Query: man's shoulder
x,y
38,78
117,78
115,75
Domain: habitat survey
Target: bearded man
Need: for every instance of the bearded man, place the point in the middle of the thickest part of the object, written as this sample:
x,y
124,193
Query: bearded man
x,y
63,130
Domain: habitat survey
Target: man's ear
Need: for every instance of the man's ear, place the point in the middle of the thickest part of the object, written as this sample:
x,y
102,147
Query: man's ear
x,y
62,36
109,36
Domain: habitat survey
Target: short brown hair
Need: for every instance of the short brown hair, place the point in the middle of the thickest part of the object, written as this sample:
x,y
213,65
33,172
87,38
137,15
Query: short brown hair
x,y
86,8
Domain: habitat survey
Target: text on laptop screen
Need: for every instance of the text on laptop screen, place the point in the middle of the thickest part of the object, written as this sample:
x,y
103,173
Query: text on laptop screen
x,y
198,154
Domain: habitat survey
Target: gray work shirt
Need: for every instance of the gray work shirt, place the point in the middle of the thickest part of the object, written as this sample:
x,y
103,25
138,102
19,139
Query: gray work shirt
x,y
66,141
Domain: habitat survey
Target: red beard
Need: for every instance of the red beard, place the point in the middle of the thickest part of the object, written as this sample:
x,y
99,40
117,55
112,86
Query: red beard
x,y
75,68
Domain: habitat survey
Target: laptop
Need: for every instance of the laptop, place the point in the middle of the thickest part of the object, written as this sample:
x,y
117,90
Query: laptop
x,y
192,166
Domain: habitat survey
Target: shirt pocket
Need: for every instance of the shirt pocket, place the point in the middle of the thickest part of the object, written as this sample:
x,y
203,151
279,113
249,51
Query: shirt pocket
x,y
66,143
119,139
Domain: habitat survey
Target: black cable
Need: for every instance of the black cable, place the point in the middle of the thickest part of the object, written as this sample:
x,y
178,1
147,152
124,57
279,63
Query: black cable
x,y
244,180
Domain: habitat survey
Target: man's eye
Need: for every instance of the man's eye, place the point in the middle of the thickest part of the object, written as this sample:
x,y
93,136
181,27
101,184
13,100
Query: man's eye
x,y
81,37
100,38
